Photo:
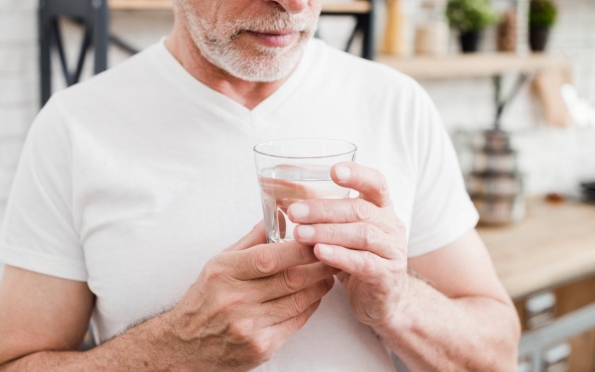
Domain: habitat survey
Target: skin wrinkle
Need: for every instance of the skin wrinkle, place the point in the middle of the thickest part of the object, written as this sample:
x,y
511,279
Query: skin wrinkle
x,y
198,334
219,42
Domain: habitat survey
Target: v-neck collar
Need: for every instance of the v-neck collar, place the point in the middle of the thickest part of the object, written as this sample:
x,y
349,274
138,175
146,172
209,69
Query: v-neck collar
x,y
207,97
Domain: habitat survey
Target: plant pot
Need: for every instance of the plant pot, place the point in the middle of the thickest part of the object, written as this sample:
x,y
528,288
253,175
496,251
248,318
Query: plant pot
x,y
538,36
469,41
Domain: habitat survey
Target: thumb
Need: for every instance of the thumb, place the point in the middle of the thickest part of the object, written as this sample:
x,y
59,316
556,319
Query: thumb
x,y
255,237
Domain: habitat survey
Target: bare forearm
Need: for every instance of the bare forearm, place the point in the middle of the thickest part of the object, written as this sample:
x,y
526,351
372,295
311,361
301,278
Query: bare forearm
x,y
435,333
142,348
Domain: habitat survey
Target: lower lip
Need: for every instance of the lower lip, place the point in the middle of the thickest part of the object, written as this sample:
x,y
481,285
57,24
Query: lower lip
x,y
274,40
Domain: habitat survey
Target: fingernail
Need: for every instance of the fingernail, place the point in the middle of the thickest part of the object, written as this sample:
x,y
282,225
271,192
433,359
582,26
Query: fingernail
x,y
325,250
299,211
305,231
343,173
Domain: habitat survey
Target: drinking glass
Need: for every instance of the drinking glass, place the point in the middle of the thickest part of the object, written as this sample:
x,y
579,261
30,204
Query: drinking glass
x,y
297,169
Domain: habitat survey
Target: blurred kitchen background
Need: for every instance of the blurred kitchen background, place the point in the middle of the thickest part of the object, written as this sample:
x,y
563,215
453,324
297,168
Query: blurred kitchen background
x,y
521,115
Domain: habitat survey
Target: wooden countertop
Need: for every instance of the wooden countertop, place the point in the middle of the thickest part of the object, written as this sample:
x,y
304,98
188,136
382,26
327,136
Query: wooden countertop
x,y
553,245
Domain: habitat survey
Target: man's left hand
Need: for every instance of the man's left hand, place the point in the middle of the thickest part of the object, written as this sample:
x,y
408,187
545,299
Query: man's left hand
x,y
362,237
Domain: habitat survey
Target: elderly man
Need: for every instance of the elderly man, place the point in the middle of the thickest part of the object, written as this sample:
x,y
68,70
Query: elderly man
x,y
132,185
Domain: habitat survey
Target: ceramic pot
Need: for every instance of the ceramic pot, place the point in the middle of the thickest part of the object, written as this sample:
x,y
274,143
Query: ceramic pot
x,y
469,41
538,37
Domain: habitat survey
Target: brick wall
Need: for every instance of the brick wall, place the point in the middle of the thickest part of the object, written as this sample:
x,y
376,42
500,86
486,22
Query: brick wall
x,y
18,84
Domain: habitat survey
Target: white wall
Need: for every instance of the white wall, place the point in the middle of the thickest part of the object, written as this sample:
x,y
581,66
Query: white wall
x,y
552,159
18,84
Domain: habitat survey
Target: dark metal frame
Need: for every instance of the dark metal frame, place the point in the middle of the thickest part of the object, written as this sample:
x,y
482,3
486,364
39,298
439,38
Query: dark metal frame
x,y
503,102
93,16
365,26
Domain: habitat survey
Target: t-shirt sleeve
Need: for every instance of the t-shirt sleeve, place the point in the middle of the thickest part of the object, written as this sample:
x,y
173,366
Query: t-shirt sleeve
x,y
38,232
442,210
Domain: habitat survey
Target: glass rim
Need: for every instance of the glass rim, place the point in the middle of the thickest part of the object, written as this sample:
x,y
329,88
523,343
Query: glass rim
x,y
353,150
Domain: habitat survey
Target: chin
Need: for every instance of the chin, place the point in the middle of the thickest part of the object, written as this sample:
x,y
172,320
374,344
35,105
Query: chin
x,y
265,64
260,70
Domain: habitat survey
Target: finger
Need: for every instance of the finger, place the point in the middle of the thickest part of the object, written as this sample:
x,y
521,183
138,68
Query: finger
x,y
255,237
286,192
359,235
363,264
341,211
266,259
282,224
343,277
370,183
280,332
288,307
293,280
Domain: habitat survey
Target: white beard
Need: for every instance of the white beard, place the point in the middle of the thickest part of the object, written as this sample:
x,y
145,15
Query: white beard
x,y
269,65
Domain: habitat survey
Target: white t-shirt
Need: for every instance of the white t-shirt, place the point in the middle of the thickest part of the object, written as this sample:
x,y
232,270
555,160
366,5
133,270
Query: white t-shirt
x,y
132,180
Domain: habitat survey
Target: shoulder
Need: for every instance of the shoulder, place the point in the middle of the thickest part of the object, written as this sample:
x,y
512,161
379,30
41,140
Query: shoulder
x,y
388,96
127,79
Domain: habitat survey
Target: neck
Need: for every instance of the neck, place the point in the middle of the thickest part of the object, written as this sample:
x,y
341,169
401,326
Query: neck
x,y
248,94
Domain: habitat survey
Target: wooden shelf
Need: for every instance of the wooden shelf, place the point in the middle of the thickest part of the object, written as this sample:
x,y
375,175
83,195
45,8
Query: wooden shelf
x,y
356,7
474,65
553,246
140,4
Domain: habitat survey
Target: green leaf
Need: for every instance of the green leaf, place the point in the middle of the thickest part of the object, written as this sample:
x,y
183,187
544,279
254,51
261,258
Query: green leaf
x,y
542,13
470,15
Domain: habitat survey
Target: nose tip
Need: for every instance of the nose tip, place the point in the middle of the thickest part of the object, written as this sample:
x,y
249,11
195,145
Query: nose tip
x,y
294,6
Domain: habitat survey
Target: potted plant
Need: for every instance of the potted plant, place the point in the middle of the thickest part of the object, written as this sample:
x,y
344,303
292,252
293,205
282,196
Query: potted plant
x,y
470,17
542,16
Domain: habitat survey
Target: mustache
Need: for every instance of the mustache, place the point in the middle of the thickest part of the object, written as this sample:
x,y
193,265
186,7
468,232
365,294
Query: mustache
x,y
278,20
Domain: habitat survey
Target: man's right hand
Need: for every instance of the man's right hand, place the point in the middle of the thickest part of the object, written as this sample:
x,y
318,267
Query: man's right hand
x,y
246,303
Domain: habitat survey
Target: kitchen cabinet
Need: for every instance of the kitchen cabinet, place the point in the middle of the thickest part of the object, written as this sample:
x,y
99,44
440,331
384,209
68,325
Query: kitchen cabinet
x,y
582,357
551,256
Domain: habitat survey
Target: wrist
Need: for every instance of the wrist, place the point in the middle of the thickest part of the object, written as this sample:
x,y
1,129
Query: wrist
x,y
167,334
177,333
161,339
400,320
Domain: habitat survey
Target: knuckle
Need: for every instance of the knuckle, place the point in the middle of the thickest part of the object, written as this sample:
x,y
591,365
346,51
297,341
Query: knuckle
x,y
299,303
326,209
299,321
260,349
329,270
213,270
368,266
266,356
294,278
305,254
231,301
323,288
369,236
362,210
382,184
265,262
400,225
242,331
330,233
